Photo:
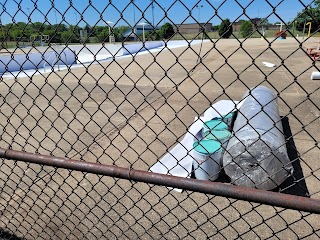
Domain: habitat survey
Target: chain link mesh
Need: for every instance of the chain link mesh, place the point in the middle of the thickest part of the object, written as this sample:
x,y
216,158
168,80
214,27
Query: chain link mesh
x,y
84,98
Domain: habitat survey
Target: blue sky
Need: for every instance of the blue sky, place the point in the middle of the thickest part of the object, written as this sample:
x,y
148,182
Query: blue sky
x,y
177,11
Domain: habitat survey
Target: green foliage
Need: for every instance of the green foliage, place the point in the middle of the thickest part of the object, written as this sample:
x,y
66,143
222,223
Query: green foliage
x,y
246,29
59,33
93,40
60,28
54,37
225,29
103,34
310,15
153,35
38,26
264,22
166,31
215,27
118,32
15,34
65,36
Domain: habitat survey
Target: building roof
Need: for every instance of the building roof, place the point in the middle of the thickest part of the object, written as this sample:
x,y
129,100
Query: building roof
x,y
138,30
192,24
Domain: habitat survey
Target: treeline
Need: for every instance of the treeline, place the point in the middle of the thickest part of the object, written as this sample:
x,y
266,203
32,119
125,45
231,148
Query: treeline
x,y
165,32
312,15
309,15
59,33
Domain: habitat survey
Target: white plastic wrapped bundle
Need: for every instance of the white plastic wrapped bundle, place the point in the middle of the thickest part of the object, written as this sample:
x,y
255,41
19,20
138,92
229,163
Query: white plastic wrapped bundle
x,y
256,155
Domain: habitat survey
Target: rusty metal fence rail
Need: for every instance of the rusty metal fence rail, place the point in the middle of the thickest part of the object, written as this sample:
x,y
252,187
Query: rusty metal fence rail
x,y
121,85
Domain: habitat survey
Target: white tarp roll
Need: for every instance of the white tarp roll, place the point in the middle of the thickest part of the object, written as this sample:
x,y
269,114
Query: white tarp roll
x,y
36,60
178,162
256,155
130,49
315,76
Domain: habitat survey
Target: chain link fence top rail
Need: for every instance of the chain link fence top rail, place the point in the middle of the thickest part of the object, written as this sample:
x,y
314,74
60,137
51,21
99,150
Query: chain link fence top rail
x,y
119,83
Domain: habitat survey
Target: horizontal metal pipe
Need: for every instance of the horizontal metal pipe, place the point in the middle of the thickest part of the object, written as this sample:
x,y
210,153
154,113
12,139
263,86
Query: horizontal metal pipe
x,y
214,188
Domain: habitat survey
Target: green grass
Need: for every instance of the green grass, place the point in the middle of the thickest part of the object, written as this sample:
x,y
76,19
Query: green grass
x,y
9,44
13,44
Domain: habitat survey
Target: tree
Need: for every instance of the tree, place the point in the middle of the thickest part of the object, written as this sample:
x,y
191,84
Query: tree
x,y
265,22
166,30
29,30
38,26
68,37
60,28
103,35
53,36
215,28
309,15
153,35
15,34
225,29
246,28
65,36
118,32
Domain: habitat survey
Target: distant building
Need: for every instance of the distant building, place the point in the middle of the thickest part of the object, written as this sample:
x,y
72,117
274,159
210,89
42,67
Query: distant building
x,y
236,25
131,34
256,21
192,27
275,27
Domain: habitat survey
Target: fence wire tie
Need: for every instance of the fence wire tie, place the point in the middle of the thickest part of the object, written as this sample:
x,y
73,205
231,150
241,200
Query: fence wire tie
x,y
129,175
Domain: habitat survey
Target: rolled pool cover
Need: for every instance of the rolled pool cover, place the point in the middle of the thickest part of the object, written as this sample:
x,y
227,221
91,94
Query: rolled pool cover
x,y
256,154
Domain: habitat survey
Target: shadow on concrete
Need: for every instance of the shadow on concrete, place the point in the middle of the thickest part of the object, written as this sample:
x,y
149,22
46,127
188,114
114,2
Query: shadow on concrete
x,y
6,235
295,184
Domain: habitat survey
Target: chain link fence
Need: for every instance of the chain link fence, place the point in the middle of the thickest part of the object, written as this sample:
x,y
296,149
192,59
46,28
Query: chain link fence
x,y
118,85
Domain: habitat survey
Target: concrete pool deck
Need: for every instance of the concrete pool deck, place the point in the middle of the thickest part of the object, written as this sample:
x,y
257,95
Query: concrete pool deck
x,y
130,113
